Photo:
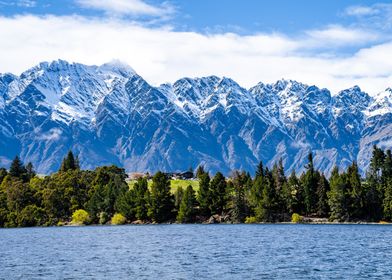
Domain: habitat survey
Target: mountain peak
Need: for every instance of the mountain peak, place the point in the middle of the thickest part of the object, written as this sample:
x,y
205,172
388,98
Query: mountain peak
x,y
118,67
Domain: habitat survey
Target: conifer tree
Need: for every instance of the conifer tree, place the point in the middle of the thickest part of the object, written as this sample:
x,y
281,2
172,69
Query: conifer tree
x,y
68,162
30,173
200,170
239,186
296,201
141,197
387,167
186,213
268,208
204,193
17,168
322,202
259,170
310,186
387,203
161,200
218,194
338,197
356,193
178,195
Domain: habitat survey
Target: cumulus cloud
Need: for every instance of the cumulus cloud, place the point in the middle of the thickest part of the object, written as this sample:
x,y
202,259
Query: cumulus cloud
x,y
128,7
164,55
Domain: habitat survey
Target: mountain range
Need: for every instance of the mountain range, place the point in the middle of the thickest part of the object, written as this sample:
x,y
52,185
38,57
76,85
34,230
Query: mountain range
x,y
109,114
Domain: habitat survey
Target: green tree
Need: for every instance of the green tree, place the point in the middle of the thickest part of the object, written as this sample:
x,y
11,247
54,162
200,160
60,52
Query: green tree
x,y
17,168
200,170
338,196
69,162
161,200
31,216
309,182
268,209
108,188
387,203
322,197
296,200
218,194
204,194
3,173
259,170
30,173
240,185
178,195
356,193
80,217
187,212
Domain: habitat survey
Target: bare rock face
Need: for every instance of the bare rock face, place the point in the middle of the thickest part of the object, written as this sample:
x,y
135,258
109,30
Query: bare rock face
x,y
108,114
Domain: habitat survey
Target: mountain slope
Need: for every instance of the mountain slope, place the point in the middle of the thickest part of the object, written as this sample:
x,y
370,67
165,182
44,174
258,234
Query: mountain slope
x,y
108,114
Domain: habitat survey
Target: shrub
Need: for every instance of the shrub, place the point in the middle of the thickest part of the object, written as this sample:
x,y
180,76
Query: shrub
x,y
250,220
296,218
103,218
118,219
80,217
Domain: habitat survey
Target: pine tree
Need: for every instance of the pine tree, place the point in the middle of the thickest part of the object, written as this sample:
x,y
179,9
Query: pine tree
x,y
178,195
30,173
338,197
356,193
204,194
296,202
186,213
387,203
141,197
69,163
200,170
322,202
257,188
17,168
238,186
259,170
387,166
281,188
268,209
161,200
310,186
374,189
218,194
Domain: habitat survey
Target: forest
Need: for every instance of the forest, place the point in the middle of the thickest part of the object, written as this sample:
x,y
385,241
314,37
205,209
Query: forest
x,y
73,196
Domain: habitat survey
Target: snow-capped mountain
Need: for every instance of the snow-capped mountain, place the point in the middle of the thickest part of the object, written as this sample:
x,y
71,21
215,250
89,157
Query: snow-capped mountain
x,y
108,114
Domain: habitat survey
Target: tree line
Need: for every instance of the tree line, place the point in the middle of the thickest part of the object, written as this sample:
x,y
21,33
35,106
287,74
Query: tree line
x,y
103,195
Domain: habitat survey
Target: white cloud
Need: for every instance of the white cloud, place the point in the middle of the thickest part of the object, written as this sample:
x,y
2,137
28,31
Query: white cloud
x,y
127,7
361,10
337,35
53,134
20,3
164,55
376,16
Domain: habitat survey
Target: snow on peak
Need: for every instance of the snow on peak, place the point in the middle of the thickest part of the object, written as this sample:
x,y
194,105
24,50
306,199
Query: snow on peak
x,y
381,104
118,67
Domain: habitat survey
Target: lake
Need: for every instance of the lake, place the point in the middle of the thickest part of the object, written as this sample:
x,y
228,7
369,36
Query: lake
x,y
198,252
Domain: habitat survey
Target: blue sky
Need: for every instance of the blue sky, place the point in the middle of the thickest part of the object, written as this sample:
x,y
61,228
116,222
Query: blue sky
x,y
333,44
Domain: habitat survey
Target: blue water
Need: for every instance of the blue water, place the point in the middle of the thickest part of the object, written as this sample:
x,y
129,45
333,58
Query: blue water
x,y
198,252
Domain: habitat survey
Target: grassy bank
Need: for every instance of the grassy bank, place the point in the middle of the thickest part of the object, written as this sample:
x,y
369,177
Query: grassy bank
x,y
174,184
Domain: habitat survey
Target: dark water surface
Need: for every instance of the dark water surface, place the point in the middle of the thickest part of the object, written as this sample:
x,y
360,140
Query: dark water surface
x,y
198,252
